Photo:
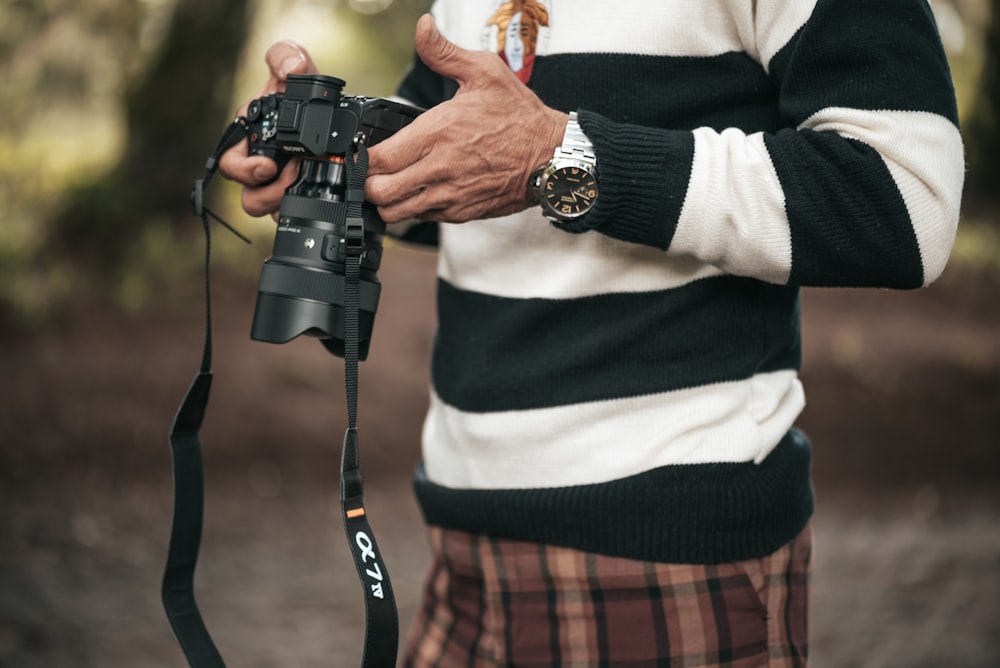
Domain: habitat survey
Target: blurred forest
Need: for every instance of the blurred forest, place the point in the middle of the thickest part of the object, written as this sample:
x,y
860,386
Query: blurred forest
x,y
112,107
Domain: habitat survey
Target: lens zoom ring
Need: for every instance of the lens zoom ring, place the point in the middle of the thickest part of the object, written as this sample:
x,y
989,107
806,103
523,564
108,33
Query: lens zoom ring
x,y
320,286
311,208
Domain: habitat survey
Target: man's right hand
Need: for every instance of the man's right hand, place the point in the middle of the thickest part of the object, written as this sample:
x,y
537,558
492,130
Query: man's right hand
x,y
283,58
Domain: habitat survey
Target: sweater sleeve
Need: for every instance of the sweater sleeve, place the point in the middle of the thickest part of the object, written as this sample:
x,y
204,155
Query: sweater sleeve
x,y
860,187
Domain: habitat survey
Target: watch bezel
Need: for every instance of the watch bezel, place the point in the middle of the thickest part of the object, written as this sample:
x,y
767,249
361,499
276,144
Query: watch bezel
x,y
545,172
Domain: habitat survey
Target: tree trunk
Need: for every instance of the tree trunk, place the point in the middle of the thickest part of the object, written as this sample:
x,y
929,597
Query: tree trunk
x,y
175,113
982,131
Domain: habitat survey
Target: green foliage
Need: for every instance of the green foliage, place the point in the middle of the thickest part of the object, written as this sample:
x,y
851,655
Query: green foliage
x,y
61,62
63,54
133,101
112,107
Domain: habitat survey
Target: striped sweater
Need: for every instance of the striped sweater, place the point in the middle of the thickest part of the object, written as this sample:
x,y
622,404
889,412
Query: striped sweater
x,y
629,384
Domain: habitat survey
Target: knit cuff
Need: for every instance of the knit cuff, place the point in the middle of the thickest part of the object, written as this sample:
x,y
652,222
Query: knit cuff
x,y
642,174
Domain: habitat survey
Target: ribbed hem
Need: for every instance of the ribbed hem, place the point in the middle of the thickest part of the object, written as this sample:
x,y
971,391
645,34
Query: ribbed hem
x,y
694,514
642,177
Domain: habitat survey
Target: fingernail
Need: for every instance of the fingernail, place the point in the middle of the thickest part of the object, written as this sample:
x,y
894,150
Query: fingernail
x,y
288,64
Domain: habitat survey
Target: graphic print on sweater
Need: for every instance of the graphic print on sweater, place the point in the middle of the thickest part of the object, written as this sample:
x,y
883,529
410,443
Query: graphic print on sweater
x,y
518,31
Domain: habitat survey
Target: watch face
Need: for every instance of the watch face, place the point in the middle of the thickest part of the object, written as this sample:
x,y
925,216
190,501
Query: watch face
x,y
570,191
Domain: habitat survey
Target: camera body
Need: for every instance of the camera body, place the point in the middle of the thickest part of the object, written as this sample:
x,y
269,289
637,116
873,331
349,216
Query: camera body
x,y
302,284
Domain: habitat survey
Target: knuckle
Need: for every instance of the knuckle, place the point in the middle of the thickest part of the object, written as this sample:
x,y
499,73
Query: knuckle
x,y
375,191
256,203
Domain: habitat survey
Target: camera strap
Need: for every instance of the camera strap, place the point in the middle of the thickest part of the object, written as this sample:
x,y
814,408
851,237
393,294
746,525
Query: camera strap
x,y
189,483
382,625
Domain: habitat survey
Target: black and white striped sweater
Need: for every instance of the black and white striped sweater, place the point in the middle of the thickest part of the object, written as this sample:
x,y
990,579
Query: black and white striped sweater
x,y
629,385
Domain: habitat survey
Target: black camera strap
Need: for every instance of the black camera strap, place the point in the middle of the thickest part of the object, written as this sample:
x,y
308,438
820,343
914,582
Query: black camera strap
x,y
382,623
189,484
382,626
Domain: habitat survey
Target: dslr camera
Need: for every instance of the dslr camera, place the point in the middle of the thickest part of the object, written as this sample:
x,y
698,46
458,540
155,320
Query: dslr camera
x,y
302,284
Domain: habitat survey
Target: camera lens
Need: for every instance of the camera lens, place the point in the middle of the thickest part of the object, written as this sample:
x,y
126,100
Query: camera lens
x,y
302,284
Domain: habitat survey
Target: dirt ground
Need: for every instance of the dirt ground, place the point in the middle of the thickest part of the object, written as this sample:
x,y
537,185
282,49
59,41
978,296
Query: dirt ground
x,y
904,414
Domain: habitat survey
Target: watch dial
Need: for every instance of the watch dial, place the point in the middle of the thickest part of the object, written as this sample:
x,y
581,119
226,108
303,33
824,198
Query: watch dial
x,y
570,191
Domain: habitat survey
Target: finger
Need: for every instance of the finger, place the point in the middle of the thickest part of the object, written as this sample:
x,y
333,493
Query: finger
x,y
288,57
443,56
407,209
282,58
400,150
401,186
266,199
249,170
260,201
423,202
402,195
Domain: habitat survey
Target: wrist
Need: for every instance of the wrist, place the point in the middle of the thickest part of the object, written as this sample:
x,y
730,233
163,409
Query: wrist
x,y
565,184
549,138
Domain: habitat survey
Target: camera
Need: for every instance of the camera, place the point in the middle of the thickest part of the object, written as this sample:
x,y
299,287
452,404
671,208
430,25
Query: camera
x,y
302,284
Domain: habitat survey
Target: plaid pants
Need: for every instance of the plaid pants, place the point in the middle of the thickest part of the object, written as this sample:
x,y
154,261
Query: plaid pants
x,y
490,602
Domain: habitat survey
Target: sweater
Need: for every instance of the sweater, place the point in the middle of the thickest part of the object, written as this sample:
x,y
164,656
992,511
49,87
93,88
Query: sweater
x,y
628,384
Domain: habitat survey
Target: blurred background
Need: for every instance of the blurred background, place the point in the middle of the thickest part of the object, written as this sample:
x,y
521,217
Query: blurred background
x,y
112,107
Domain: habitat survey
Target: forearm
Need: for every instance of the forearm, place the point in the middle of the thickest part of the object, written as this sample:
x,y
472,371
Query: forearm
x,y
861,188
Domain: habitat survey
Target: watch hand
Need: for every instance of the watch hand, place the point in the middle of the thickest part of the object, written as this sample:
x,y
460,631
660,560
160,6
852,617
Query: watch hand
x,y
568,196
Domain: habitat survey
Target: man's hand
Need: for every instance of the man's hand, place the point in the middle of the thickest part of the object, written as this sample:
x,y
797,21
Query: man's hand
x,y
283,58
469,157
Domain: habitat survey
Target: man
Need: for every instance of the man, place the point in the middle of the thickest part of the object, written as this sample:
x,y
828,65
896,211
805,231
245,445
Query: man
x,y
611,471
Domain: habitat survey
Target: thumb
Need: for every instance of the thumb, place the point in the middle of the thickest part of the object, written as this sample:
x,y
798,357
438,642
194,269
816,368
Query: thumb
x,y
438,53
288,57
282,58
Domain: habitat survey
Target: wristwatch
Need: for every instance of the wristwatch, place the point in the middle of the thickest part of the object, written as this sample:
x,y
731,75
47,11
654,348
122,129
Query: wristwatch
x,y
566,186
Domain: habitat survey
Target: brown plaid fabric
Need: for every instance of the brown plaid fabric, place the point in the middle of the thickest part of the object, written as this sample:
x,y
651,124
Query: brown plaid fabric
x,y
490,602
